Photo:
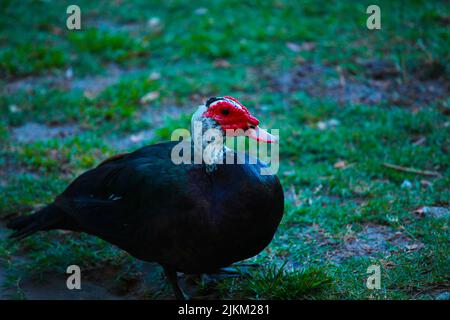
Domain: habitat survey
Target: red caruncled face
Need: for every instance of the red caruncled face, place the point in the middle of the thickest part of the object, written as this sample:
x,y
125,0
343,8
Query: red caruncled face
x,y
230,114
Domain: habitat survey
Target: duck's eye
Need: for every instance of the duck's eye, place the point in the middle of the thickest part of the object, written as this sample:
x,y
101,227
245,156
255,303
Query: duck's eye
x,y
225,112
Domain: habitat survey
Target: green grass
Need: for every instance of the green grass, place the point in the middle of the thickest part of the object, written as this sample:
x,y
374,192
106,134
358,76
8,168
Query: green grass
x,y
183,44
27,59
280,284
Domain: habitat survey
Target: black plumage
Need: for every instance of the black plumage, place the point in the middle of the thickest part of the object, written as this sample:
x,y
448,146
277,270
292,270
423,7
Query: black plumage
x,y
181,216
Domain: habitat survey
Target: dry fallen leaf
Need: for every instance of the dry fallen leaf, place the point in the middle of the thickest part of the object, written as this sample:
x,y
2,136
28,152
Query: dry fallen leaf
x,y
299,59
387,264
330,123
340,164
432,212
420,211
90,94
154,76
151,96
305,46
420,141
137,137
425,183
412,247
221,63
360,187
308,46
293,47
56,30
318,188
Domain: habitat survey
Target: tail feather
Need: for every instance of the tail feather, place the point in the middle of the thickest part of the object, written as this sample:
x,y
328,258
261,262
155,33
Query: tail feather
x,y
44,219
19,222
24,232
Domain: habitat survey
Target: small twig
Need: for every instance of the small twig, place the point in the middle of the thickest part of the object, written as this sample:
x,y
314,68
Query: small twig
x,y
412,170
342,84
420,141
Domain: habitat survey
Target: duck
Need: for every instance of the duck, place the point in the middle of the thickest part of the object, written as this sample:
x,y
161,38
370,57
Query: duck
x,y
162,204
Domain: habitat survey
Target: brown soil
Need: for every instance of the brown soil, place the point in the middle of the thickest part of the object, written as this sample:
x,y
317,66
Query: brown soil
x,y
375,241
31,132
382,83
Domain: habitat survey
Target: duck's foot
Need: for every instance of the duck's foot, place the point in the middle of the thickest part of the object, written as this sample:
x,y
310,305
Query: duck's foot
x,y
172,276
235,271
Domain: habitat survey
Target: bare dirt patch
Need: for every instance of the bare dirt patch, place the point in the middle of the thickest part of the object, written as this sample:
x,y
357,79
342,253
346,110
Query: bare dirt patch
x,y
133,29
103,281
436,291
146,281
54,288
31,132
433,212
90,85
132,141
382,83
372,241
154,117
10,169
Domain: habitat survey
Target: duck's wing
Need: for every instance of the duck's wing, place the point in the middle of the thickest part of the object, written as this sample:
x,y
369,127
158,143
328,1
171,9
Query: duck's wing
x,y
124,194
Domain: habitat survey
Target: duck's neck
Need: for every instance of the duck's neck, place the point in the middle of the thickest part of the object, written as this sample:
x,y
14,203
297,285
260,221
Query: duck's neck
x,y
206,145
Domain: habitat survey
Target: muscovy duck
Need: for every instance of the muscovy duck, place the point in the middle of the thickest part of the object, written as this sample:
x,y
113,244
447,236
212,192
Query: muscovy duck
x,y
188,217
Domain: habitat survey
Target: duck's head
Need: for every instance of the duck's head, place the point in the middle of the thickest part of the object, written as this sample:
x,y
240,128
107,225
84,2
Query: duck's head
x,y
234,119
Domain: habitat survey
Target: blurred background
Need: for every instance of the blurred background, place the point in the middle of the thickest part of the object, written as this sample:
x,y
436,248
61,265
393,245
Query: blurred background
x,y
363,118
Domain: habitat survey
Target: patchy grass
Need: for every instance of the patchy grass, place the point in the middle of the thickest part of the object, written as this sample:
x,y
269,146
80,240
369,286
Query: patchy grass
x,y
27,59
347,101
110,46
274,283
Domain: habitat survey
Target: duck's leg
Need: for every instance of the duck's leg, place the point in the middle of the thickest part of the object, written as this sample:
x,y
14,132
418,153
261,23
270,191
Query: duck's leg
x,y
172,276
